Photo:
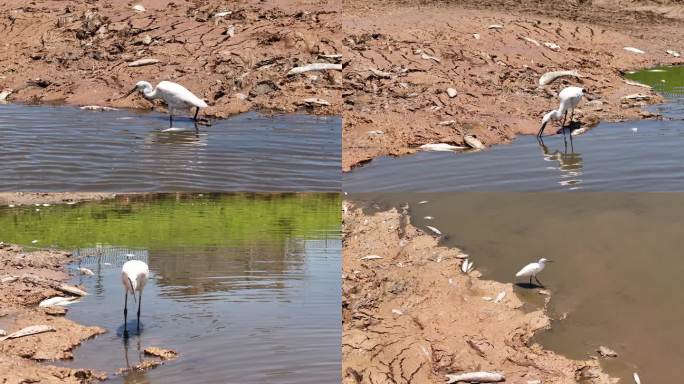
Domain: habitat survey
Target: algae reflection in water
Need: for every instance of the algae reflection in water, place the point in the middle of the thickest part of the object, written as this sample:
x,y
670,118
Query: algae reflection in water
x,y
168,220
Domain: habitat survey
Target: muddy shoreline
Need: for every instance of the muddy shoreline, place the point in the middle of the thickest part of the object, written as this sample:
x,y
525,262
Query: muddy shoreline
x,y
411,315
236,56
493,55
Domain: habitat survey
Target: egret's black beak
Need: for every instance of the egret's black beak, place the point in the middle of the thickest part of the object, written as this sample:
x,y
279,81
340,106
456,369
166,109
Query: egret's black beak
x,y
549,261
128,94
541,130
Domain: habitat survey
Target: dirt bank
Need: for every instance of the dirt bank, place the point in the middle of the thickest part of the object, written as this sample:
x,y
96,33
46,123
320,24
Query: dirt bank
x,y
404,55
27,278
23,198
235,56
411,316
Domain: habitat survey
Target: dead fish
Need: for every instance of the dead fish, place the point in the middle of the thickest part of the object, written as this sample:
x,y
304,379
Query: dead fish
x,y
476,377
380,74
423,202
636,378
495,26
529,40
552,46
606,352
71,289
98,108
473,142
398,312
580,131
433,229
315,101
630,82
500,297
550,77
138,8
634,50
9,279
371,257
673,53
222,14
467,266
447,122
425,56
428,217
141,62
86,271
314,67
57,300
4,94
28,331
636,97
440,147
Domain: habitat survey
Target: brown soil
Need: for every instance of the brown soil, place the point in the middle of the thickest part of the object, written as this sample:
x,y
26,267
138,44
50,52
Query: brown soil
x,y
497,75
27,278
78,52
412,316
23,198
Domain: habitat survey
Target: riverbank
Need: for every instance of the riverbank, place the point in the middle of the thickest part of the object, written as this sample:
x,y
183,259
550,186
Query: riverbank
x,y
411,315
27,198
235,57
493,55
27,278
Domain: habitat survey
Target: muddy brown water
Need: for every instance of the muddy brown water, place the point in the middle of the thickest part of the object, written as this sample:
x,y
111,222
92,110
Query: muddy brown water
x,y
60,148
617,272
245,287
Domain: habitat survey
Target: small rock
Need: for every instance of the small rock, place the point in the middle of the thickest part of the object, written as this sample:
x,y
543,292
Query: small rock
x,y
164,354
3,332
147,40
451,92
138,8
230,32
606,352
55,311
263,88
476,36
636,97
648,114
4,94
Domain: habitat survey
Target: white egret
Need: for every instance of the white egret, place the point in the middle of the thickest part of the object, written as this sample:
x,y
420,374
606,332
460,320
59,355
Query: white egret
x,y
133,277
532,269
177,97
569,98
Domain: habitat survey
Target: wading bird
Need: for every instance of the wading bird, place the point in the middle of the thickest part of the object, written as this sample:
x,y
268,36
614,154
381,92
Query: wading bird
x,y
177,97
532,269
133,277
569,98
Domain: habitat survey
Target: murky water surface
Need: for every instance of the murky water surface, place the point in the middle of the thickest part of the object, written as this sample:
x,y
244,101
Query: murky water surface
x,y
617,272
47,148
244,287
644,155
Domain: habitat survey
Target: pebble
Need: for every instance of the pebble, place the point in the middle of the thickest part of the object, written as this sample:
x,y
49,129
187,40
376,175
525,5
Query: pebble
x,y
138,8
451,92
606,352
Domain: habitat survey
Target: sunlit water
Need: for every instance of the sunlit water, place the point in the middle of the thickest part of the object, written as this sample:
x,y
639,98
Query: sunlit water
x,y
55,148
244,287
644,155
617,272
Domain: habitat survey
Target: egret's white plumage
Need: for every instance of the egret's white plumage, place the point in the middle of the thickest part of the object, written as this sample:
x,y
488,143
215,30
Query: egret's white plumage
x,y
177,97
532,269
569,99
134,276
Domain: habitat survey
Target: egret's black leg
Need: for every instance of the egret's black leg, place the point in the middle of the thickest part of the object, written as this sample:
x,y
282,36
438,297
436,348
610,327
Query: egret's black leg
x,y
538,282
571,114
530,280
563,127
170,120
125,312
139,303
196,112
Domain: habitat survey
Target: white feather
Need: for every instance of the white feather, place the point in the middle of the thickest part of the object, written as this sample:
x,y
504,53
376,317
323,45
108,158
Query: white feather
x,y
134,276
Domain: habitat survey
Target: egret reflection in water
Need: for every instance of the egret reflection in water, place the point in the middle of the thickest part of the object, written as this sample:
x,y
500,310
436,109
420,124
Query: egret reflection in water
x,y
569,164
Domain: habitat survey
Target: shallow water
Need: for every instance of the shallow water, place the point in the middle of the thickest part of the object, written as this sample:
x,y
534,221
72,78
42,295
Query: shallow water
x,y
244,287
57,148
617,271
611,157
